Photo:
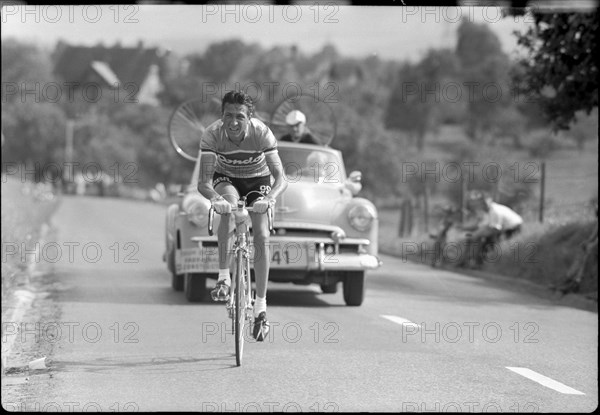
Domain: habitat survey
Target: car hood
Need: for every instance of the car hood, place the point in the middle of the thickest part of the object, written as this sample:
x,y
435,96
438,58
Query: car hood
x,y
310,202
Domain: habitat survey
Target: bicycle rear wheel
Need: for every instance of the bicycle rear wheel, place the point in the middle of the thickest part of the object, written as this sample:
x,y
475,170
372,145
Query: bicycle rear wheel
x,y
239,309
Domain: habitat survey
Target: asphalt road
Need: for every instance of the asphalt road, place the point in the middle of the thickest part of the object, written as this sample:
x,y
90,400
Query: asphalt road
x,y
423,340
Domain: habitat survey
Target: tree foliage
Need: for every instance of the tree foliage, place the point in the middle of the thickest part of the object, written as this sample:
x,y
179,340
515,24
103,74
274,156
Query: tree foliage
x,y
484,68
34,132
417,102
561,69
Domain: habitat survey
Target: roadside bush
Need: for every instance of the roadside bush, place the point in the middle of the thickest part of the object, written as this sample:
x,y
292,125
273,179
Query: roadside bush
x,y
541,143
544,253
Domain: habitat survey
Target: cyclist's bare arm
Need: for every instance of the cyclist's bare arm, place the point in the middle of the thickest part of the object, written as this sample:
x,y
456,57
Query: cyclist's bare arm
x,y
276,168
205,179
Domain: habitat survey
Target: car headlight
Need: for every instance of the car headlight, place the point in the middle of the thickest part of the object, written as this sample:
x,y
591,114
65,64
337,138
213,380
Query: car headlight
x,y
361,217
196,208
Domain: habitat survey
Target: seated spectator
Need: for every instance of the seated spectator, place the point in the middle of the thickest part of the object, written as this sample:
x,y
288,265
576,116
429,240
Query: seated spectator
x,y
299,133
505,221
496,221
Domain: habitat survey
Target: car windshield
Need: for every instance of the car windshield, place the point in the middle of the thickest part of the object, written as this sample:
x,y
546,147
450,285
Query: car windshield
x,y
311,164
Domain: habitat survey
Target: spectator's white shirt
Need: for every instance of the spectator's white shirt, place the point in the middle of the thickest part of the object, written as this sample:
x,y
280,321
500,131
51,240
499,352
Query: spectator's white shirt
x,y
501,217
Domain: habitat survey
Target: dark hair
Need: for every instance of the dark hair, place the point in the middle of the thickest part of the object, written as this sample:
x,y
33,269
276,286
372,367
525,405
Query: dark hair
x,y
238,98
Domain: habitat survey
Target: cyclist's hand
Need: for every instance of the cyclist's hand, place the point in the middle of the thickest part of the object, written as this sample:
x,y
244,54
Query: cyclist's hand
x,y
222,206
261,205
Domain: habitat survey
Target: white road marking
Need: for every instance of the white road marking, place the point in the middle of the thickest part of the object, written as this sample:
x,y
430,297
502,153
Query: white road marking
x,y
545,381
401,321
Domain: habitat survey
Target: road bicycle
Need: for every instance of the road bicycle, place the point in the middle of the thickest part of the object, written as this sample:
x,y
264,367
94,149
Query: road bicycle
x,y
240,304
440,237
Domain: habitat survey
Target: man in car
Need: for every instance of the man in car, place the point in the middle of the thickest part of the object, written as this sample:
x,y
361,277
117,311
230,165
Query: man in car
x,y
238,157
299,133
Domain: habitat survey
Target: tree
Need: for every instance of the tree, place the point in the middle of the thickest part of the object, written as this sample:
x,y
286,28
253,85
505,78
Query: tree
x,y
407,109
484,68
23,66
584,129
220,60
476,43
561,71
416,102
34,133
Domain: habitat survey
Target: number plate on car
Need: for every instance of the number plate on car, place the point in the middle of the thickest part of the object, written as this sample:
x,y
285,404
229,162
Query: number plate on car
x,y
289,255
282,255
196,260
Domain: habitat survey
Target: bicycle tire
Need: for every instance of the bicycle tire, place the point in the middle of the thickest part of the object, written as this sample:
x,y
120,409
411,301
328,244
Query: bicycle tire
x,y
188,122
239,307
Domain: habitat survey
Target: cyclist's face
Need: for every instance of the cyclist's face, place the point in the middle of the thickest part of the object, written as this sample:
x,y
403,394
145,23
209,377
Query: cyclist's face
x,y
235,120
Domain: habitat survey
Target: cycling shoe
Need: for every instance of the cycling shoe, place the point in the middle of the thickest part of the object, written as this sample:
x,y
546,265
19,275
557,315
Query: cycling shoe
x,y
220,292
261,327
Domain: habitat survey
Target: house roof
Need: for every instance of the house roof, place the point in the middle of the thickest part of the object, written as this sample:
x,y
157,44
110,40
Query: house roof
x,y
105,72
132,64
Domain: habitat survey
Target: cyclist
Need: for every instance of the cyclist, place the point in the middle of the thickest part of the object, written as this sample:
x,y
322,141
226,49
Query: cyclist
x,y
299,133
238,157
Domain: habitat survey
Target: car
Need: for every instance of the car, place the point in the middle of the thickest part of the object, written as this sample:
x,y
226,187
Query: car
x,y
323,232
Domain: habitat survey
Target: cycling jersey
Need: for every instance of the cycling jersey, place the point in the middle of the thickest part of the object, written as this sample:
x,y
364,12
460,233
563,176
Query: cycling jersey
x,y
246,160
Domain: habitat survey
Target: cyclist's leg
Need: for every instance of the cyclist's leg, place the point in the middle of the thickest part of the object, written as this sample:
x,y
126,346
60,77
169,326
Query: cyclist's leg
x,y
260,230
226,224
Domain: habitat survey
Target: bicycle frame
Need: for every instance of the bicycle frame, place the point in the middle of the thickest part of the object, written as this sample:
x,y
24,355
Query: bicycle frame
x,y
240,303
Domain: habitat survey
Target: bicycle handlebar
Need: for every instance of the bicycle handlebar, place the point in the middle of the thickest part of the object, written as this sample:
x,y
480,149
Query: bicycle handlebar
x,y
211,214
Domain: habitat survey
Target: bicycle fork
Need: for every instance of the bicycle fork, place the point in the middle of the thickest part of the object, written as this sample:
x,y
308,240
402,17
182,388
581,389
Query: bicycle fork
x,y
246,282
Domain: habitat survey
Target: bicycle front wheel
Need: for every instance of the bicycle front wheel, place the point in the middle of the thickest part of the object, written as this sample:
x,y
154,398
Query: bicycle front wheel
x,y
239,309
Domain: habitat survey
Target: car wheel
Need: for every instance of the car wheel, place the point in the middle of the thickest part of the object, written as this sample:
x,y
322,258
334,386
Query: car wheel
x,y
354,288
195,287
176,279
329,288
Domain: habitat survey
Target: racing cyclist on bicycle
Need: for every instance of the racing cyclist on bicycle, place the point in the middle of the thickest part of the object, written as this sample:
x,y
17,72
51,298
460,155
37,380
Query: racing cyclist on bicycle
x,y
238,157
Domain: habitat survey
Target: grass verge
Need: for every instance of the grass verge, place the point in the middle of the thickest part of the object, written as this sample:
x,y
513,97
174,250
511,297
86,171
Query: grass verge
x,y
25,208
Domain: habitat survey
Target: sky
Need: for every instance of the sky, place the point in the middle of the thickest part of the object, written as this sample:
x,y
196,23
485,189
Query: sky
x,y
395,33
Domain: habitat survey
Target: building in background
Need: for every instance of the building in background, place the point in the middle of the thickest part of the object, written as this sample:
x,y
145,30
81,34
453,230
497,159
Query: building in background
x,y
133,74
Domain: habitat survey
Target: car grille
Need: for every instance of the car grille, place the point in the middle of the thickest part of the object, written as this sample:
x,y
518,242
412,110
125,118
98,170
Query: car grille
x,y
302,232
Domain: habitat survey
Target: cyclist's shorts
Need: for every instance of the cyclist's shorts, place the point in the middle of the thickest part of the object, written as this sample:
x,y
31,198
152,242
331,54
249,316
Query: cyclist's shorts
x,y
246,187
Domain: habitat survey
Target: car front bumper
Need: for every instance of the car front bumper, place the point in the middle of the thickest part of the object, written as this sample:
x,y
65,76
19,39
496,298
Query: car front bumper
x,y
286,253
